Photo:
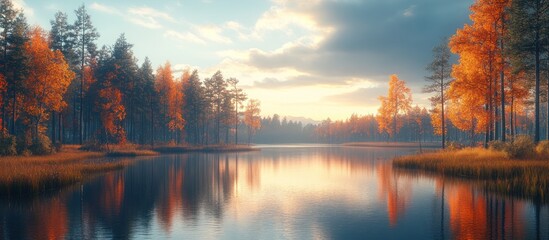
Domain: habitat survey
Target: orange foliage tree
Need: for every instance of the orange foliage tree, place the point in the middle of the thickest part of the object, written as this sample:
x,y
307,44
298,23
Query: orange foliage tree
x,y
112,112
46,82
252,118
397,103
171,100
481,62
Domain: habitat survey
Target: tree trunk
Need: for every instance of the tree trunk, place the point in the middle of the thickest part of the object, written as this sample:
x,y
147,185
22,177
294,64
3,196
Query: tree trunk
x,y
442,113
537,91
502,76
152,125
53,130
13,114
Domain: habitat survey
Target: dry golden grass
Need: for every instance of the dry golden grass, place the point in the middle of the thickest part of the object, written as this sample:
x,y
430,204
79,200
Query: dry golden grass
x,y
524,178
131,153
29,175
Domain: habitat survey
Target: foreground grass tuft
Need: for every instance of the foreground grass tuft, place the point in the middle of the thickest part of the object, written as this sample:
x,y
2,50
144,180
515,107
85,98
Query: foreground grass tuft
x,y
528,178
31,175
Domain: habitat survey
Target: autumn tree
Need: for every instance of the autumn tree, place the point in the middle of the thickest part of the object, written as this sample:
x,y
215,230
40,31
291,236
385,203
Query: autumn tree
x,y
439,81
397,103
171,100
252,118
126,81
481,62
112,112
109,100
46,82
61,39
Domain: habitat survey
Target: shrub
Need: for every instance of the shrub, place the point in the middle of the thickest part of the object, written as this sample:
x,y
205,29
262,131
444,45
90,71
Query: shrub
x,y
543,149
93,146
8,145
521,147
497,145
42,145
24,141
452,146
26,153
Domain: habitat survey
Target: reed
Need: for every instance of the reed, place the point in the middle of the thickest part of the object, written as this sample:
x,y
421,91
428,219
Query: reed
x,y
31,175
528,178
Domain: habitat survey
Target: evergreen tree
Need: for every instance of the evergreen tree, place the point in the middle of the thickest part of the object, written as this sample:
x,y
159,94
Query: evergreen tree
x,y
439,81
528,31
84,34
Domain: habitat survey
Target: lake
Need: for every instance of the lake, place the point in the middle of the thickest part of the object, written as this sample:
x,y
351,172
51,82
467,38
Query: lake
x,y
280,192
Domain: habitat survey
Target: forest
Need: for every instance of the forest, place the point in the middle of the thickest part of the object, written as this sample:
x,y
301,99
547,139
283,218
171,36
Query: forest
x,y
58,87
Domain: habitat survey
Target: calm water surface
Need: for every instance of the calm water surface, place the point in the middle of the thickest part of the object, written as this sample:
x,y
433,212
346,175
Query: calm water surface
x,y
290,192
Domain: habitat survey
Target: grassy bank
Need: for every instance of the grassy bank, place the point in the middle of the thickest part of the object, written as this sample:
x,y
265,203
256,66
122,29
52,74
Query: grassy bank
x,y
30,175
208,148
20,175
492,169
393,144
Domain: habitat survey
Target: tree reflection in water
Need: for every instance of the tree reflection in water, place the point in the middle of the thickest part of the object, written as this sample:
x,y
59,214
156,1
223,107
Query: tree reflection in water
x,y
324,192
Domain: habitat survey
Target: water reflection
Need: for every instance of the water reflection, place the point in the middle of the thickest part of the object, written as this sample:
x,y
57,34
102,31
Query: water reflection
x,y
297,193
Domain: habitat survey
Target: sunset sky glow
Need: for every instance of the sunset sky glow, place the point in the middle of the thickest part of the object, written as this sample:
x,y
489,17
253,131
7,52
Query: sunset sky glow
x,y
309,58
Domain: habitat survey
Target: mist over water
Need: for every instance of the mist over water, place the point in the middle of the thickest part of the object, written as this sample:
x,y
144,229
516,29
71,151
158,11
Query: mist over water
x,y
281,192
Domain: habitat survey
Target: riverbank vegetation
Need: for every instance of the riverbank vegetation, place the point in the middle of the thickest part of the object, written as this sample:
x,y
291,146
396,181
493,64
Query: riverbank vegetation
x,y
25,176
28,175
519,168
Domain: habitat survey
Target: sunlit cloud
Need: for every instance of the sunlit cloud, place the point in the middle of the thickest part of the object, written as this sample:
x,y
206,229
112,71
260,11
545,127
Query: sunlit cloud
x,y
409,12
180,68
142,16
148,17
105,9
242,32
212,33
187,37
20,4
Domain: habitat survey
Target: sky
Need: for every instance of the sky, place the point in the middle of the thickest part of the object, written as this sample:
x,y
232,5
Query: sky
x,y
306,58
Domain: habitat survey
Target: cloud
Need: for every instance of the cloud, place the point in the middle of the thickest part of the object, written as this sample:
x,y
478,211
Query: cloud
x,y
187,36
358,97
148,17
142,16
20,4
307,81
105,9
365,39
342,51
212,33
409,12
242,32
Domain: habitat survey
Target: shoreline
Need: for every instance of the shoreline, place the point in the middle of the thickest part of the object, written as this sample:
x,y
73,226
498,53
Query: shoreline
x,y
429,145
493,170
28,176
